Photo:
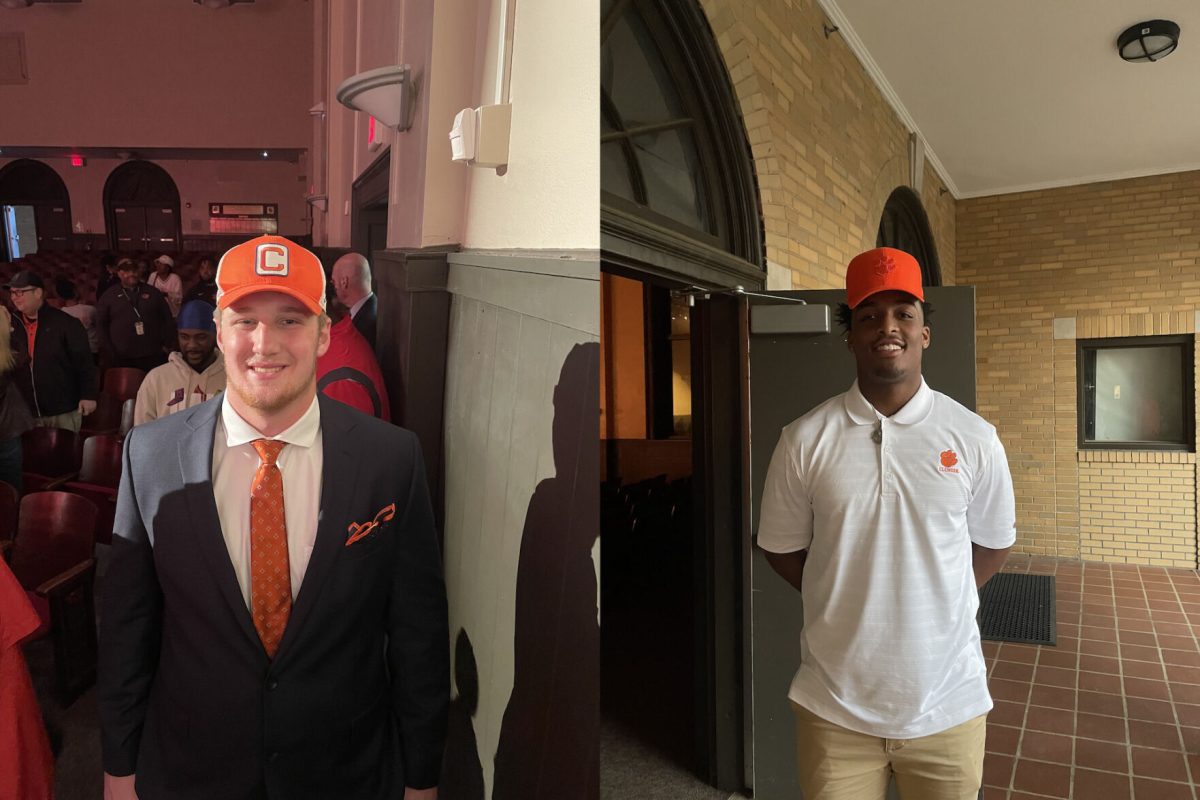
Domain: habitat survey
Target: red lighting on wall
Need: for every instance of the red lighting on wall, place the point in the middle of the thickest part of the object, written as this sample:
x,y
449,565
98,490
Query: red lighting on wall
x,y
77,161
371,130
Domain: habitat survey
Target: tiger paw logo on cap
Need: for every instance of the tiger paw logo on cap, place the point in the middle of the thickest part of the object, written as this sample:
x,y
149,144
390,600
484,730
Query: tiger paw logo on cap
x,y
949,460
880,270
885,264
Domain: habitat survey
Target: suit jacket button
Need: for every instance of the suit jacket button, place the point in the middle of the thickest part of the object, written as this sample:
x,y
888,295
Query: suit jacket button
x,y
273,757
272,684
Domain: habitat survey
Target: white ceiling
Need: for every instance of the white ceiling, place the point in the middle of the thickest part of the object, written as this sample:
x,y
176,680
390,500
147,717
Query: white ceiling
x,y
1027,94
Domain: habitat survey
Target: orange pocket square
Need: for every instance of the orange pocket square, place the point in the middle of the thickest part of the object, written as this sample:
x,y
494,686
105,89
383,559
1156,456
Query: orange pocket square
x,y
358,530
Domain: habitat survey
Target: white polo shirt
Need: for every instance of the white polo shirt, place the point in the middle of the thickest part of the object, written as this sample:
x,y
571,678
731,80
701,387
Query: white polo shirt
x,y
890,646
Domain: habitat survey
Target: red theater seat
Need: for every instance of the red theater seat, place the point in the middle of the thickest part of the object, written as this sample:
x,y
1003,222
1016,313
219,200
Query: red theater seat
x,y
99,476
52,560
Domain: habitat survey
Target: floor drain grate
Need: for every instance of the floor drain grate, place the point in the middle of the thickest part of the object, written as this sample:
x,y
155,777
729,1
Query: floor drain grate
x,y
1015,607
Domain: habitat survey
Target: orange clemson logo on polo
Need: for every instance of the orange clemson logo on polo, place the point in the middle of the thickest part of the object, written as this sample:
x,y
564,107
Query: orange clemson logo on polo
x,y
949,458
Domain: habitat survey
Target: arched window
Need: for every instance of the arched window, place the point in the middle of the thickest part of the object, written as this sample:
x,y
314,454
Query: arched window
x,y
676,167
30,184
905,226
141,208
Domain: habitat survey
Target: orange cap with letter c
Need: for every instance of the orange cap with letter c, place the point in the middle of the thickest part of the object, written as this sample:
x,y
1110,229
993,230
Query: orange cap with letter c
x,y
271,264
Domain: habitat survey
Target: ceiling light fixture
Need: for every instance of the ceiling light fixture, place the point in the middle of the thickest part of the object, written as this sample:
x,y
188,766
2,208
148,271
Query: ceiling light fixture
x,y
1148,41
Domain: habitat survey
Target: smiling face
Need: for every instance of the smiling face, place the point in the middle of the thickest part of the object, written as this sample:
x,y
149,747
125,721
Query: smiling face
x,y
27,300
887,336
198,347
271,343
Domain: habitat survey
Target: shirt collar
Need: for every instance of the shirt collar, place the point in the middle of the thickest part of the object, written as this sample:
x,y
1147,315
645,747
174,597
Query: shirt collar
x,y
303,432
354,308
914,411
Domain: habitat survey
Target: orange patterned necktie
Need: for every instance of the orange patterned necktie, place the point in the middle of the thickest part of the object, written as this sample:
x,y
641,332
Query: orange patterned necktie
x,y
270,574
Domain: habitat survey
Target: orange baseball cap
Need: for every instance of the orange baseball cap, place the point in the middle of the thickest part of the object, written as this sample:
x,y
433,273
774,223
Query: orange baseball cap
x,y
271,264
880,270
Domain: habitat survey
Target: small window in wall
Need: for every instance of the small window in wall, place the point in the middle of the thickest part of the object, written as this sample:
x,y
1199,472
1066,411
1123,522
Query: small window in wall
x,y
1137,393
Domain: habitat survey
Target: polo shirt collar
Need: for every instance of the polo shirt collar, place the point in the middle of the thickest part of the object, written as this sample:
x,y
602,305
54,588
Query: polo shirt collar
x,y
914,411
303,432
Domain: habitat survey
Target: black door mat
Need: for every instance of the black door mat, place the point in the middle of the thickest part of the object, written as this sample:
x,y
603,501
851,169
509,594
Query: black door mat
x,y
1015,607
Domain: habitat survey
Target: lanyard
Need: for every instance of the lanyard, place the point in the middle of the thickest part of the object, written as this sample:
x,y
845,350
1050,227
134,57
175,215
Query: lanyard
x,y
125,294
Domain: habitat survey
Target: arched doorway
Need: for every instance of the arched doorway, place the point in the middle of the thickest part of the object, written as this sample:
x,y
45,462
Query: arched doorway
x,y
905,226
141,208
679,209
35,200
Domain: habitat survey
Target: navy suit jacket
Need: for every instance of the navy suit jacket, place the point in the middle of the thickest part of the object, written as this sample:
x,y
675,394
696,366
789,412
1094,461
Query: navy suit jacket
x,y
364,320
354,703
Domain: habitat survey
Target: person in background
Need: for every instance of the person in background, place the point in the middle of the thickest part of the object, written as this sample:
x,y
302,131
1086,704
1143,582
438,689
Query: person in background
x,y
167,282
191,375
108,274
134,323
348,372
206,283
352,282
15,418
54,371
86,314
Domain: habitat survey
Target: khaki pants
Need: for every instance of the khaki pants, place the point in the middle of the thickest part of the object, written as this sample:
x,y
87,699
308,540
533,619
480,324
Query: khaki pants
x,y
839,764
71,420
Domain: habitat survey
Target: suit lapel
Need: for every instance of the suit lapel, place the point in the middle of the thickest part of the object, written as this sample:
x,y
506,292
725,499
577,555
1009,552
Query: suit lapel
x,y
339,476
196,465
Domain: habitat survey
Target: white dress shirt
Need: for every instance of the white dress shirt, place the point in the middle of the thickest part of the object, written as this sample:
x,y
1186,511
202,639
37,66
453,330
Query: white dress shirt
x,y
234,463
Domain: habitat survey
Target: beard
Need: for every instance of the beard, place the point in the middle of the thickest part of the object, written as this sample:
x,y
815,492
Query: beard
x,y
269,399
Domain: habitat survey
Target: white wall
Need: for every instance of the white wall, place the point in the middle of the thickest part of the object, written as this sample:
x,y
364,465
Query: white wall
x,y
159,73
550,196
199,183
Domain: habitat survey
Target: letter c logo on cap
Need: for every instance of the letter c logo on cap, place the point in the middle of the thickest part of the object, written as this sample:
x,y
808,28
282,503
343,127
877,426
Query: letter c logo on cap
x,y
271,259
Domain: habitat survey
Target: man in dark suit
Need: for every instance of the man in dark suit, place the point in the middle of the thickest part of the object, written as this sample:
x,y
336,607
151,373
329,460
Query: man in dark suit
x,y
352,282
252,648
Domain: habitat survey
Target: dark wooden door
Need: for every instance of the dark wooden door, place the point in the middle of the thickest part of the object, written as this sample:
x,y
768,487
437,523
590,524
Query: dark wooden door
x,y
53,227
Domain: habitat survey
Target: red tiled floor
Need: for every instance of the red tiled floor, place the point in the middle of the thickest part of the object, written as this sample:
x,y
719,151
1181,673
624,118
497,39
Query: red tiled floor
x,y
1002,739
1102,755
1162,764
997,770
1146,789
1051,780
1051,747
1128,640
1106,785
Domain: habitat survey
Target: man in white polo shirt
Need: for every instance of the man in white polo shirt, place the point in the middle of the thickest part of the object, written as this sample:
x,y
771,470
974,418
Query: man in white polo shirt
x,y
887,507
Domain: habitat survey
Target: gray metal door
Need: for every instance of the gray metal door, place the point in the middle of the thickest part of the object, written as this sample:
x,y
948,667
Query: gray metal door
x,y
789,375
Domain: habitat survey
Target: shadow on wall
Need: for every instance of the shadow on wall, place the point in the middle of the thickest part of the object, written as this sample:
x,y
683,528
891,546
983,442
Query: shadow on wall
x,y
549,740
462,773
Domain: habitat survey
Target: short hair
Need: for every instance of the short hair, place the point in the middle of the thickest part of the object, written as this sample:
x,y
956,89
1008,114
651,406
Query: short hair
x,y
65,289
845,315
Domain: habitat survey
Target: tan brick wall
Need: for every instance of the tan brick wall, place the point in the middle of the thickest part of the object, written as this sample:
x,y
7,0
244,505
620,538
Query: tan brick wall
x,y
1107,259
1136,510
828,149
